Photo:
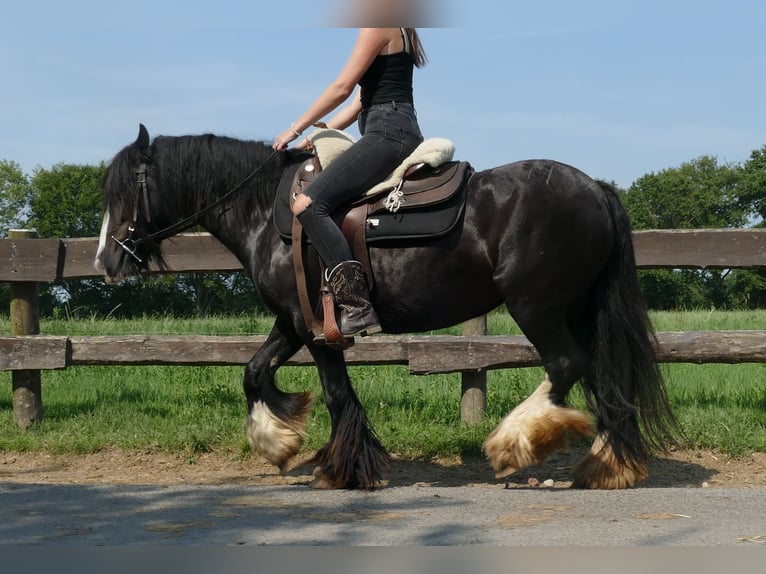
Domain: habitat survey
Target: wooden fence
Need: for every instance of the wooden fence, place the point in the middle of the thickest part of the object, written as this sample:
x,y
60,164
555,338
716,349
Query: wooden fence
x,y
27,261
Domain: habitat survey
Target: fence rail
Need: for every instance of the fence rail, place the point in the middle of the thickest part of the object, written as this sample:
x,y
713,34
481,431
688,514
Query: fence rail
x,y
28,261
425,355
45,260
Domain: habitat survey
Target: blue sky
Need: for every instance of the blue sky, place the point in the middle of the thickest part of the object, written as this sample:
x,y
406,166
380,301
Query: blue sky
x,y
618,89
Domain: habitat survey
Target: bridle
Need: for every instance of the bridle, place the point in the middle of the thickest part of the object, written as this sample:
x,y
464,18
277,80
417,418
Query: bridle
x,y
131,244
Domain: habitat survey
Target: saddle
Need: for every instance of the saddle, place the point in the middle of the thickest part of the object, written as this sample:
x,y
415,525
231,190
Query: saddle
x,y
424,198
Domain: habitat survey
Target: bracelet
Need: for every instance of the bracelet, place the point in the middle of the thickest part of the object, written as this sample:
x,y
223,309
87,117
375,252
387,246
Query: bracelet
x,y
292,129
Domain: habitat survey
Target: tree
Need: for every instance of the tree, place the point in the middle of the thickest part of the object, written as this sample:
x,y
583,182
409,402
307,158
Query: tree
x,y
66,200
221,293
14,201
753,186
699,194
14,196
748,287
667,289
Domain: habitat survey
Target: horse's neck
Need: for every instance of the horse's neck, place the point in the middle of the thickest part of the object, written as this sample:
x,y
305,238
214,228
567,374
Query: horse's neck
x,y
248,211
242,222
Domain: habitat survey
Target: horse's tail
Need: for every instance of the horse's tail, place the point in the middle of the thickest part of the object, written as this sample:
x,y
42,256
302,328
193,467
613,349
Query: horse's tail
x,y
624,385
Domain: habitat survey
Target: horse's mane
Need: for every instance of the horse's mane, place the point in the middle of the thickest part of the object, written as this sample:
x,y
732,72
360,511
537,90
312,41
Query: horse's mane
x,y
195,171
207,166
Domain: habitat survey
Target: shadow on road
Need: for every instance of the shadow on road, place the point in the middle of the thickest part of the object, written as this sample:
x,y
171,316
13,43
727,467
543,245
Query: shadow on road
x,y
663,472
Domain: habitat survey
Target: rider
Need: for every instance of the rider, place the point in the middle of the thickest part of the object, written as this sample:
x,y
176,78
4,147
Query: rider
x,y
382,64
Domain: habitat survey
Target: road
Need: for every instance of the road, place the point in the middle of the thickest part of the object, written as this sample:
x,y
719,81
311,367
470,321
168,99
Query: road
x,y
72,514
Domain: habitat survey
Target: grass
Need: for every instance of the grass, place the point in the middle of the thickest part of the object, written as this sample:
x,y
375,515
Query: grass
x,y
198,409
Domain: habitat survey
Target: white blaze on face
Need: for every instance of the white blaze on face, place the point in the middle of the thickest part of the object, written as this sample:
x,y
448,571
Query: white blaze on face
x,y
101,243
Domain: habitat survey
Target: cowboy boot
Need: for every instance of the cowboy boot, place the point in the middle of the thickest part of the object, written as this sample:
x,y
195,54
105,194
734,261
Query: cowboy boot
x,y
349,287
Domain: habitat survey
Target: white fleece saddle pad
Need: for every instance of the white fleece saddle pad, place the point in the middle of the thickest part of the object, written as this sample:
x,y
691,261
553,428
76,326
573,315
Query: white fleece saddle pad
x,y
330,143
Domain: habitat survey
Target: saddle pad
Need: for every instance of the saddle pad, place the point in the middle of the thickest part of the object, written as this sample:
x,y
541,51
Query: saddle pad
x,y
330,143
433,151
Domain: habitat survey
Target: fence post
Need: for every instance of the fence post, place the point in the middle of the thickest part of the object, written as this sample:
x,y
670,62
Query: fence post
x,y
473,398
25,320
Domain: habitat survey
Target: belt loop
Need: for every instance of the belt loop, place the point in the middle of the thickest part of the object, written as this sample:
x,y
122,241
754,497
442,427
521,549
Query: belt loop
x,y
393,103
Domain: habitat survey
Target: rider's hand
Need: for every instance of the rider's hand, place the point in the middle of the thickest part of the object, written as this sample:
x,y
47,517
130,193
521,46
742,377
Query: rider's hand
x,y
280,144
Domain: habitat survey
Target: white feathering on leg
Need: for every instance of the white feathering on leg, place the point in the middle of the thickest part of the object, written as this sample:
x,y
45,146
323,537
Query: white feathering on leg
x,y
532,431
601,469
271,437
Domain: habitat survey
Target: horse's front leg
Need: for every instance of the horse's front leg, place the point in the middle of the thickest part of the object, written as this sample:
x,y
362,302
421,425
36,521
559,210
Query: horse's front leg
x,y
276,421
354,457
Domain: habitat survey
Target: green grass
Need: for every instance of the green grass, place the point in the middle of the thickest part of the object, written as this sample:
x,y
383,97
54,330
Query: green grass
x,y
197,409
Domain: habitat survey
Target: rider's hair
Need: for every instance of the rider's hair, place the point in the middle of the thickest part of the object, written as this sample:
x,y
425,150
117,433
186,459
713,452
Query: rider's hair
x,y
418,54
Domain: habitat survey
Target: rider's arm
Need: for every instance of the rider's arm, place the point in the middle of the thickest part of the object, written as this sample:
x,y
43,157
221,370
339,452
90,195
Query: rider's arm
x,y
370,42
348,114
340,121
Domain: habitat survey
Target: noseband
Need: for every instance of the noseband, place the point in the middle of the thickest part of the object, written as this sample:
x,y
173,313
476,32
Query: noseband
x,y
130,244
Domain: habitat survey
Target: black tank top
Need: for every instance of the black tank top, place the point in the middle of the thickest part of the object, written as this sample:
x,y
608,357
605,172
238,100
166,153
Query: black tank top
x,y
389,78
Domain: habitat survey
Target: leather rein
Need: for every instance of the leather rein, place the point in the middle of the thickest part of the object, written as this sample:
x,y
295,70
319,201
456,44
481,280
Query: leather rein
x,y
130,244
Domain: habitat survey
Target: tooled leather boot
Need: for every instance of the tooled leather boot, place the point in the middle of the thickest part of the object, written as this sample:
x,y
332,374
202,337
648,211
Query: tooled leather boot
x,y
349,287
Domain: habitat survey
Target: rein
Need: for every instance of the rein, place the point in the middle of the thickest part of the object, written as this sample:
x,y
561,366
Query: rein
x,y
130,245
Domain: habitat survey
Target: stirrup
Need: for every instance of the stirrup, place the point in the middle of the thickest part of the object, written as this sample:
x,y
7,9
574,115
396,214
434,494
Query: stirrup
x,y
331,333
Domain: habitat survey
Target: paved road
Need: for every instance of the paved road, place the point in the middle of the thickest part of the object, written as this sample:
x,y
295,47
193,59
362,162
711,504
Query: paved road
x,y
411,515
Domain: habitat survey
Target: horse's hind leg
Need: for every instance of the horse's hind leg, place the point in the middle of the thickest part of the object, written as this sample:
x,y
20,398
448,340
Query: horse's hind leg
x,y
275,427
542,423
354,457
603,468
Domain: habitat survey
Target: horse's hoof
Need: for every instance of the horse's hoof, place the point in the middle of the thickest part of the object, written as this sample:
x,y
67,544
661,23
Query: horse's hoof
x,y
601,470
320,483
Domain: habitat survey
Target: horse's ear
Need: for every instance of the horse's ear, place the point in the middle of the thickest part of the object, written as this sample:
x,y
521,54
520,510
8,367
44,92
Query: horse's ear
x,y
143,137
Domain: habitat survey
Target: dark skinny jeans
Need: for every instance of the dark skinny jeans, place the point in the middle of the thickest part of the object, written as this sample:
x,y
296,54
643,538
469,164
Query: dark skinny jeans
x,y
390,133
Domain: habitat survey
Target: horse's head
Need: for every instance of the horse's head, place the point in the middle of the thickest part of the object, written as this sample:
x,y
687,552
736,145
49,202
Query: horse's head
x,y
125,245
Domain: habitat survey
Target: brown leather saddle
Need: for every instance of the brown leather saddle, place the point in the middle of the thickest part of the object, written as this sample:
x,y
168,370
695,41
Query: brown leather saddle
x,y
432,204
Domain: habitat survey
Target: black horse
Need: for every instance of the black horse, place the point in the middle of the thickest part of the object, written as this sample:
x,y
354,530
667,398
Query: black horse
x,y
541,237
